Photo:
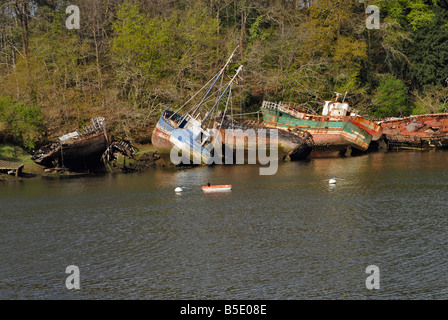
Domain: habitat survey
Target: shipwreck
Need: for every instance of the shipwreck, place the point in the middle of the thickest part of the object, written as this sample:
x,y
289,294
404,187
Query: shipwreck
x,y
198,131
295,145
189,130
81,148
422,132
335,132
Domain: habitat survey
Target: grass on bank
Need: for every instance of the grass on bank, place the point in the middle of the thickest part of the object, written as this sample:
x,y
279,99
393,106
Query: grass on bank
x,y
17,154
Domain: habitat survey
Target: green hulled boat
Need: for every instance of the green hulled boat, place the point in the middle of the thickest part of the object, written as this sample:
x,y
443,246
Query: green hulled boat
x,y
334,132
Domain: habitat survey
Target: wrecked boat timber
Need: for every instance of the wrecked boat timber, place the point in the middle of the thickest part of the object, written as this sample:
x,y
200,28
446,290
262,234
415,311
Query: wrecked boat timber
x,y
334,132
295,145
78,149
422,132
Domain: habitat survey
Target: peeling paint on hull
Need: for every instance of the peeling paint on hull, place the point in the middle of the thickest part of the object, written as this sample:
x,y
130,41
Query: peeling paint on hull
x,y
423,132
297,146
328,133
162,138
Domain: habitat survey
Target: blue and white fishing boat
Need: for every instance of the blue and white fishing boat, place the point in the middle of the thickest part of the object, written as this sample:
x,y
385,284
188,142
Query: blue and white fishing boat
x,y
189,131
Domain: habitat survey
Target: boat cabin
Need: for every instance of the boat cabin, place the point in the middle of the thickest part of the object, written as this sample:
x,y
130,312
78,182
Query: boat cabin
x,y
336,109
198,133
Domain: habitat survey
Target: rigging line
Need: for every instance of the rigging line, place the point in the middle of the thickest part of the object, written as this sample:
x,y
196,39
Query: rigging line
x,y
241,101
227,105
221,86
194,95
206,94
209,122
231,112
217,109
230,82
211,97
221,72
206,101
247,113
214,106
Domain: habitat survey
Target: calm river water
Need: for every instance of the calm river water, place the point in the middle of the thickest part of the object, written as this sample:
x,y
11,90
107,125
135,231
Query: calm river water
x,y
287,236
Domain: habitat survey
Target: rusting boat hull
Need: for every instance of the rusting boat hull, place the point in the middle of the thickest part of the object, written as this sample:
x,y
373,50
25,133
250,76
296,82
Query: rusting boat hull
x,y
83,150
332,135
371,127
330,146
295,145
423,132
331,138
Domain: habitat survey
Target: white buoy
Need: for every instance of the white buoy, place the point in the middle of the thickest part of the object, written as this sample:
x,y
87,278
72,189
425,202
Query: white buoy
x,y
178,189
332,181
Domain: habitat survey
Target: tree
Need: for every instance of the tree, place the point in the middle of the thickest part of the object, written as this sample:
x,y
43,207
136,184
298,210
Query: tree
x,y
391,98
430,51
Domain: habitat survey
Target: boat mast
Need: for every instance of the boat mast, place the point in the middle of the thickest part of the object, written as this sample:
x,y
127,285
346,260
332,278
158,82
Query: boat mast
x,y
213,84
227,105
222,94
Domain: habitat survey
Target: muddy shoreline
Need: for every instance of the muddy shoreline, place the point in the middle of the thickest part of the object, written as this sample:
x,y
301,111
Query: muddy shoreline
x,y
146,159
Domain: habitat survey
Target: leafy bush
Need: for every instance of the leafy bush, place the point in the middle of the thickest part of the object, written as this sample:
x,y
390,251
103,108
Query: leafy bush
x,y
20,123
391,98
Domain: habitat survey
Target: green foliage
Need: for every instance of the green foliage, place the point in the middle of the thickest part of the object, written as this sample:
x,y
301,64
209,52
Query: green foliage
x,y
430,52
391,98
20,123
256,31
416,14
146,49
133,58
140,41
432,100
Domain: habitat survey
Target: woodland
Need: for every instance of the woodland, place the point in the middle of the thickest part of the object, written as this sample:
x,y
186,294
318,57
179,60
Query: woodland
x,y
131,59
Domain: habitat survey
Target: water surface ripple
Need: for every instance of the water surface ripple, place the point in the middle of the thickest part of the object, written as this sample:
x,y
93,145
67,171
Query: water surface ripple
x,y
287,236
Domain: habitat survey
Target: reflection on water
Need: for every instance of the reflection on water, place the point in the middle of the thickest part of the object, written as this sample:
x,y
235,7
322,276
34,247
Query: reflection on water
x,y
287,236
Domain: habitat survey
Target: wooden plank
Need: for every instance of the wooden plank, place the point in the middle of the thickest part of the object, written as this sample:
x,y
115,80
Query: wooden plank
x,y
8,165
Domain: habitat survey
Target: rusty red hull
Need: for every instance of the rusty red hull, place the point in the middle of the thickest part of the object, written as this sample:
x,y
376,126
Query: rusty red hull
x,y
296,145
417,132
371,127
161,141
329,146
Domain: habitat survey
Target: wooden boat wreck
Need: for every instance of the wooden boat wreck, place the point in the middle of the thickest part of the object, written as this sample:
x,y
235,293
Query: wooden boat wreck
x,y
334,132
78,149
295,145
422,132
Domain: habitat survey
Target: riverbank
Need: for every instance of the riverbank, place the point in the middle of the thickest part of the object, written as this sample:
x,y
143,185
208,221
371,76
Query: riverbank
x,y
146,158
143,159
18,155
